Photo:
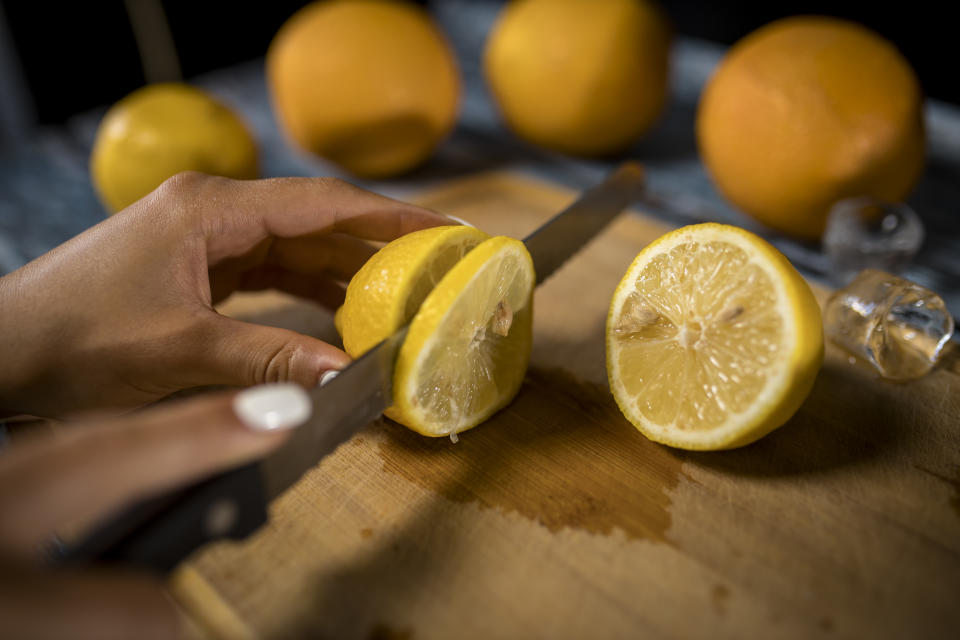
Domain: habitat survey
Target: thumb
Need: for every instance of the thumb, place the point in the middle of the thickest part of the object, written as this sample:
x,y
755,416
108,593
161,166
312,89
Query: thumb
x,y
243,353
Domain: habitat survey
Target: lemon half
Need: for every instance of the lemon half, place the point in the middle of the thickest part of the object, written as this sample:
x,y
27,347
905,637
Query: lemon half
x,y
468,347
713,339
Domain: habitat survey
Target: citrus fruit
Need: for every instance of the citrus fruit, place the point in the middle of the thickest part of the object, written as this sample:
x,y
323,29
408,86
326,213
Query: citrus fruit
x,y
713,339
578,76
160,130
370,85
388,289
807,111
467,349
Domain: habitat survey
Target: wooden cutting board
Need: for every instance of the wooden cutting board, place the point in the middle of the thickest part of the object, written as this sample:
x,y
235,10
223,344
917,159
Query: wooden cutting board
x,y
557,519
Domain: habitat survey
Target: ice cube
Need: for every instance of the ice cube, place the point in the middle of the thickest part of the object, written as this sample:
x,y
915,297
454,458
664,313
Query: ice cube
x,y
898,326
866,233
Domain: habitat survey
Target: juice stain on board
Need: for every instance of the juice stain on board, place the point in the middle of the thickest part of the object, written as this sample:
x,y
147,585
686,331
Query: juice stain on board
x,y
560,454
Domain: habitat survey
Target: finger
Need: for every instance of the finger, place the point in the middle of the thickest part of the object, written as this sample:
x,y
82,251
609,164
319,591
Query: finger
x,y
234,352
318,288
292,207
225,275
99,605
307,267
80,475
338,254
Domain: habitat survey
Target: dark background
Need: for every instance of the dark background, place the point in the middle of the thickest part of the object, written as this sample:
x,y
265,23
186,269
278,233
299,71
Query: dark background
x,y
74,56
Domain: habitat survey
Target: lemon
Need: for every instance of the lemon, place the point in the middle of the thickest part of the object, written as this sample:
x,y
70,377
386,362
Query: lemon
x,y
468,347
160,130
370,85
807,111
713,339
579,76
468,300
386,292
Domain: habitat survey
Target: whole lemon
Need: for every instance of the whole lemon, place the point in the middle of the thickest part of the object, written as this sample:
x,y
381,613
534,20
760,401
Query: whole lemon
x,y
806,111
160,130
368,84
579,76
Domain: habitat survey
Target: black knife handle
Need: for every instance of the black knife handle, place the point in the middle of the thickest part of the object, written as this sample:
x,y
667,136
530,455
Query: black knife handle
x,y
157,534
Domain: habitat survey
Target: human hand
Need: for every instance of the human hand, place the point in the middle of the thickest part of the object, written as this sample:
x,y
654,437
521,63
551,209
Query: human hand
x,y
122,314
83,472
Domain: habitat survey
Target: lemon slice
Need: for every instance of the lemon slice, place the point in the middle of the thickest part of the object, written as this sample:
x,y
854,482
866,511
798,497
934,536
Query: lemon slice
x,y
467,349
713,339
388,289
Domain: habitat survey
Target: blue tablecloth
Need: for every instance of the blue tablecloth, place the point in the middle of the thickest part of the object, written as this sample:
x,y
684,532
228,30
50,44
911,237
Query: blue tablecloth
x,y
46,196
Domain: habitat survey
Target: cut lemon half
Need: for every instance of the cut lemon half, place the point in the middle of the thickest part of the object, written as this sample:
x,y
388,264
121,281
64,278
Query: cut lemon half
x,y
468,347
388,289
713,339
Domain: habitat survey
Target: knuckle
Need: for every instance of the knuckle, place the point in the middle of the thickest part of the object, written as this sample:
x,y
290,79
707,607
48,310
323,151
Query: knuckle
x,y
187,188
330,183
184,195
183,185
282,365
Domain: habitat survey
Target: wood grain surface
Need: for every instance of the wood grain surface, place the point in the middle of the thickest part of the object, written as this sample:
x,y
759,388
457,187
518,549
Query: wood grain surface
x,y
557,519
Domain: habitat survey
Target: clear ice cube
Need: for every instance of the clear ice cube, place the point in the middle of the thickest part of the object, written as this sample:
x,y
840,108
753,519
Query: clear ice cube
x,y
866,233
898,326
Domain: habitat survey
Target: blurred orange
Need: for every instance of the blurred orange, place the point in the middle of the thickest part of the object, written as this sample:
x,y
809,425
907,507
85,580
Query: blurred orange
x,y
579,76
806,111
368,84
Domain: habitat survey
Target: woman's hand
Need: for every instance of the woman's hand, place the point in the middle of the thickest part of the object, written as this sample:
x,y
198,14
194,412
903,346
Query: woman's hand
x,y
81,473
123,314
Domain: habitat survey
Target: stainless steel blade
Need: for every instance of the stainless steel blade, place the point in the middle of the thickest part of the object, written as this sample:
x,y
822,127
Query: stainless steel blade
x,y
565,233
356,397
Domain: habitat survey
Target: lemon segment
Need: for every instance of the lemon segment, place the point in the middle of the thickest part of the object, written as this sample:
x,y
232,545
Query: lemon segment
x,y
386,292
713,339
468,347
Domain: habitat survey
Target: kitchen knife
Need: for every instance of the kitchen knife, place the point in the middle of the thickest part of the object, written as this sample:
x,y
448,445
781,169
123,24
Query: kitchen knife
x,y
158,533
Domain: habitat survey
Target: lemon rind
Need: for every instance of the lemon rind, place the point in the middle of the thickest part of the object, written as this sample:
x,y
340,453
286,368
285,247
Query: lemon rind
x,y
391,318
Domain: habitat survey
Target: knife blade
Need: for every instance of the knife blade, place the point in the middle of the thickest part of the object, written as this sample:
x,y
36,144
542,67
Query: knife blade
x,y
158,533
560,237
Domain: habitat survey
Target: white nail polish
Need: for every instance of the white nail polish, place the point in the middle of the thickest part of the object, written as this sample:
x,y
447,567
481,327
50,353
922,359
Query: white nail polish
x,y
273,407
328,375
461,221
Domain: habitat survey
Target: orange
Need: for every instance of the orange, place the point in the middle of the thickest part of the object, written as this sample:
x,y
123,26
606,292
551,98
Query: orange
x,y
579,76
370,85
806,111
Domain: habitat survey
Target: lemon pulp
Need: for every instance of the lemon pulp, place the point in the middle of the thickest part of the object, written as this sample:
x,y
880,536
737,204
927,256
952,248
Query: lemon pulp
x,y
468,347
713,339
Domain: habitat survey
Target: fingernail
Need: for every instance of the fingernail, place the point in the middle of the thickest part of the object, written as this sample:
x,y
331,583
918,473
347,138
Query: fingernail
x,y
273,407
328,375
461,221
